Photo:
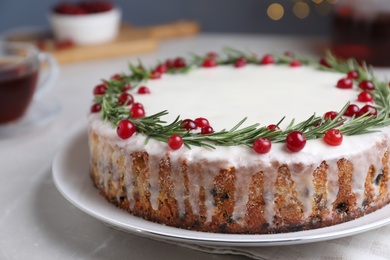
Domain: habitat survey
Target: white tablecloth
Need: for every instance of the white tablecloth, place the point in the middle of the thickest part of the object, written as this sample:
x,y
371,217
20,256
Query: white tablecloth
x,y
36,222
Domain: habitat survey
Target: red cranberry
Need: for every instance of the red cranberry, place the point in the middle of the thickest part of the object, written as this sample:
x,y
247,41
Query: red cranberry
x,y
364,97
353,74
137,112
366,85
96,6
100,89
161,68
69,9
267,59
188,124
143,90
175,141
125,129
368,109
179,63
330,115
273,128
125,99
209,63
352,110
345,83
295,141
96,108
240,62
295,63
262,145
116,76
139,105
206,130
324,62
155,75
201,122
333,137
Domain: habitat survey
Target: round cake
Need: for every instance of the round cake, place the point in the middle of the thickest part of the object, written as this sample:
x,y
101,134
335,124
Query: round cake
x,y
232,143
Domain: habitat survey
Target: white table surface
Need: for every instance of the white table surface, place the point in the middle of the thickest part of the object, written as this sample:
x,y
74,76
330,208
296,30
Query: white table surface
x,y
36,222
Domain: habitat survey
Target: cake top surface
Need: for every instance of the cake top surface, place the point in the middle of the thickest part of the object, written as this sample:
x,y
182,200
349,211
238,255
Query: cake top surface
x,y
264,94
305,102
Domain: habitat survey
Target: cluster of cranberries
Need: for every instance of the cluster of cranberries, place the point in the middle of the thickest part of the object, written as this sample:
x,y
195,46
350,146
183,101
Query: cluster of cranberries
x,y
365,85
82,8
169,64
365,95
199,123
211,60
124,99
175,141
295,141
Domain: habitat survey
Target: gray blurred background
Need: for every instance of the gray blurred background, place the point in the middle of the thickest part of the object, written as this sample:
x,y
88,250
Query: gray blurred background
x,y
235,16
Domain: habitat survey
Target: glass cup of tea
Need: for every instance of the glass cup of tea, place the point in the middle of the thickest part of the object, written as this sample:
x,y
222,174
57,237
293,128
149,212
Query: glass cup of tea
x,y
20,65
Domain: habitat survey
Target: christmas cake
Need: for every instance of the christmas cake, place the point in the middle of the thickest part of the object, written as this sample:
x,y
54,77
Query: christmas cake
x,y
232,143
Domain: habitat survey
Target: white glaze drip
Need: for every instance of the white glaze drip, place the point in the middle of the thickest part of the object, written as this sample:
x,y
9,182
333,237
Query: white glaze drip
x,y
194,183
241,195
106,155
178,187
100,163
115,166
154,182
208,174
303,184
129,182
332,185
269,194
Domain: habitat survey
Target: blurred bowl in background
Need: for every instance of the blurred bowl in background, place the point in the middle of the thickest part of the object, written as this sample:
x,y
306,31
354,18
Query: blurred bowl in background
x,y
84,29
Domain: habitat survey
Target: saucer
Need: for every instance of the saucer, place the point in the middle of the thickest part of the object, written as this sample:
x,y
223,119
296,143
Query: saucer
x,y
39,113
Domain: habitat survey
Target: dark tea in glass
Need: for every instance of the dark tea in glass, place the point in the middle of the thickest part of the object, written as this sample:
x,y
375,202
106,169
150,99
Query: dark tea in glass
x,y
361,29
17,86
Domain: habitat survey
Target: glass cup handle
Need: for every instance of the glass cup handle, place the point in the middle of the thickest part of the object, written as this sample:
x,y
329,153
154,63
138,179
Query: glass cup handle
x,y
50,77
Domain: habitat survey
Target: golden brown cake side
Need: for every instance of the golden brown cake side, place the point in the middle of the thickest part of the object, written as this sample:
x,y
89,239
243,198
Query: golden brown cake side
x,y
259,198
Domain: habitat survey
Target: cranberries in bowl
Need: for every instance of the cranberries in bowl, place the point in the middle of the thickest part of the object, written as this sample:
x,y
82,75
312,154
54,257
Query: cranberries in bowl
x,y
86,22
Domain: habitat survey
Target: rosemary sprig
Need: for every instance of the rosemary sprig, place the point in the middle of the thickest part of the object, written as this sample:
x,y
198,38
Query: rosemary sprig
x,y
153,127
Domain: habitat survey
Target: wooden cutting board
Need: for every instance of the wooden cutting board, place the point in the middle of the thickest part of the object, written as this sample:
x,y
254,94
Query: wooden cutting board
x,y
131,40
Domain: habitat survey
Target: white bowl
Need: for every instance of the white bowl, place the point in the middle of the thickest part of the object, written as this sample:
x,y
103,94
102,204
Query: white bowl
x,y
86,29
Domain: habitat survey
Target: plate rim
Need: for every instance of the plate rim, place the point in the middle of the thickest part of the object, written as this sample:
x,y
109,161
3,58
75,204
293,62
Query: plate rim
x,y
206,238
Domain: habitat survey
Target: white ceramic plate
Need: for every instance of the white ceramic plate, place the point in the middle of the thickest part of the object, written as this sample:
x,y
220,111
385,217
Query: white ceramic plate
x,y
71,176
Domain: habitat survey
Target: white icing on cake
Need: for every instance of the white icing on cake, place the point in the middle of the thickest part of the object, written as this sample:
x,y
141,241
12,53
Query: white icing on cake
x,y
264,94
